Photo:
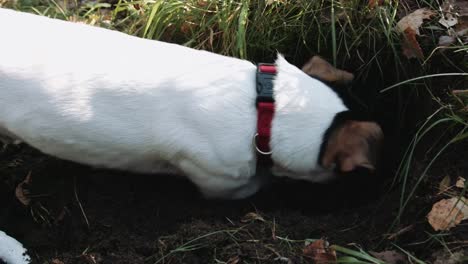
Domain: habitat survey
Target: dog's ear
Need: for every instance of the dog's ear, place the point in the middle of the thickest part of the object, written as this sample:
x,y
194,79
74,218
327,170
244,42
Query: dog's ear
x,y
321,69
354,144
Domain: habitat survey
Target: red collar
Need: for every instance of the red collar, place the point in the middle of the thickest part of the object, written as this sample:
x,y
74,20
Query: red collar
x,y
265,110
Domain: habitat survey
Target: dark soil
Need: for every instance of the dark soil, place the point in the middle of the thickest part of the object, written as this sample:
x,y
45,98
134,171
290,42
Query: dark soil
x,y
141,218
156,218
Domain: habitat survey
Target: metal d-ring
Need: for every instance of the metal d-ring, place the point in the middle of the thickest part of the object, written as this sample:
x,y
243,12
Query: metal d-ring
x,y
256,147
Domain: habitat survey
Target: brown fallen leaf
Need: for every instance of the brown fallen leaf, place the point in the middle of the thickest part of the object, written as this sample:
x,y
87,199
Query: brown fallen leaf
x,y
409,27
455,19
390,257
449,17
233,260
448,213
410,45
452,10
374,3
320,68
415,19
56,261
252,216
22,192
320,252
460,183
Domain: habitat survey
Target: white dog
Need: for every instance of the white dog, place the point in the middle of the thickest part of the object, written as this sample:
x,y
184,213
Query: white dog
x,y
107,99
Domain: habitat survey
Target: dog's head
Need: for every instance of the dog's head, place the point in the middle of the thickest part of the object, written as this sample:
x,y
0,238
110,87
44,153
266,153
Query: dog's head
x,y
350,143
347,140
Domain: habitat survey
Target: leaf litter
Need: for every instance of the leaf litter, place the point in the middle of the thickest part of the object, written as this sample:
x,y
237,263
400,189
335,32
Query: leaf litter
x,y
320,252
460,183
448,213
455,18
22,191
409,27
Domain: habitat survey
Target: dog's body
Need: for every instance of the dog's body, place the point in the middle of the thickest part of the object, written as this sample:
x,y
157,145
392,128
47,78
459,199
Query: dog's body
x,y
107,99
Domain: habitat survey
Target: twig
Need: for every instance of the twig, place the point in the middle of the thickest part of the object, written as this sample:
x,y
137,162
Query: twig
x,y
79,203
399,232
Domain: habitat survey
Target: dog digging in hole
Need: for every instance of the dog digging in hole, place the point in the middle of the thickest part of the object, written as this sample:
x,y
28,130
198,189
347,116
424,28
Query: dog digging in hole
x,y
106,99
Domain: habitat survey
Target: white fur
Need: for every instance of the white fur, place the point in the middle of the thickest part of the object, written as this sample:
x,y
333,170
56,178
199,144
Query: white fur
x,y
107,99
12,251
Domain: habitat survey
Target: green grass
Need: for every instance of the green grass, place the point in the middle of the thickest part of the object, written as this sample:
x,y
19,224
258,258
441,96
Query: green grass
x,y
250,29
347,33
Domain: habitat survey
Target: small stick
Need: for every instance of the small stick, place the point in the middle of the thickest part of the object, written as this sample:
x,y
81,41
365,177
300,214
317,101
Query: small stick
x,y
79,203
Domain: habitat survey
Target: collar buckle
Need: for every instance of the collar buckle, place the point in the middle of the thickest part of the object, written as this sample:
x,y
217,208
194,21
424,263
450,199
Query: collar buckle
x,y
265,74
265,104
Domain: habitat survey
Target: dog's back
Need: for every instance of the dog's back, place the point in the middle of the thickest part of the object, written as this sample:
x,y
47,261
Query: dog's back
x,y
105,98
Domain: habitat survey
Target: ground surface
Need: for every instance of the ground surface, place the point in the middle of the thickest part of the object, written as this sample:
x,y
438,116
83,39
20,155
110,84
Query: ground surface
x,y
162,219
141,218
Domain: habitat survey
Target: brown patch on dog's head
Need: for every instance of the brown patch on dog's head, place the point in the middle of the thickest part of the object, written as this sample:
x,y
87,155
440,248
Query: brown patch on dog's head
x,y
354,144
321,69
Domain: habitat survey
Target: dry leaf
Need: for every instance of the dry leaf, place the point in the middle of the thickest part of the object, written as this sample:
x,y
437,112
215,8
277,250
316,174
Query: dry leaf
x,y
414,20
452,10
233,260
455,19
374,3
444,184
320,68
460,182
448,21
448,213
22,192
449,18
390,257
252,216
56,261
320,252
410,45
409,26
